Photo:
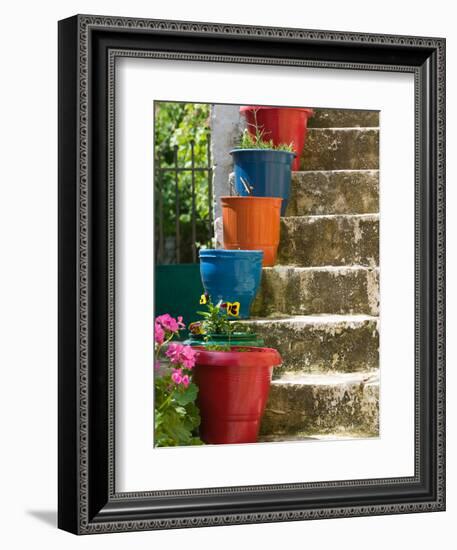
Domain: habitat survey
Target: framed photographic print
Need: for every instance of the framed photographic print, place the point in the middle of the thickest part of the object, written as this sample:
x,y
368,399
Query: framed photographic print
x,y
251,274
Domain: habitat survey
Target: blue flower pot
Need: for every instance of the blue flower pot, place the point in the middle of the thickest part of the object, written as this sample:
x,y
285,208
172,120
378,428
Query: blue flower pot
x,y
232,276
267,171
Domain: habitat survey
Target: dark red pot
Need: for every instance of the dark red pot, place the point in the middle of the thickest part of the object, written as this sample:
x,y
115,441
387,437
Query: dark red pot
x,y
281,124
233,391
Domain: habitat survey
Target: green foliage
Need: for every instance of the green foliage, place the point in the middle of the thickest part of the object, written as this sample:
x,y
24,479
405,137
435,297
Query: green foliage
x,y
178,125
176,415
248,141
218,347
259,141
216,320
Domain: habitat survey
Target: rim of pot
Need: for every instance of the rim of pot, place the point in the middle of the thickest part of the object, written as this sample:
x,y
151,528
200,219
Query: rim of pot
x,y
244,108
258,150
234,335
266,357
226,252
250,197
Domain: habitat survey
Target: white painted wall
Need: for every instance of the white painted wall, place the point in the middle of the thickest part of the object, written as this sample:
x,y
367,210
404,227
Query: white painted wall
x,y
226,127
28,232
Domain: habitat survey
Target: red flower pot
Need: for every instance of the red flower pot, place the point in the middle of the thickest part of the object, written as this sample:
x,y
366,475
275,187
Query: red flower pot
x,y
281,124
233,391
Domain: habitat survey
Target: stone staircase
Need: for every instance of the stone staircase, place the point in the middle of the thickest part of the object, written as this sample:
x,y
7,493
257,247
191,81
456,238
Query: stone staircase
x,y
319,306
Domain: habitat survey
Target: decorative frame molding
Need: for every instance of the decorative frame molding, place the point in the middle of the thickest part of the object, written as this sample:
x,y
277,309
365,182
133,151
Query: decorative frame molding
x,y
88,502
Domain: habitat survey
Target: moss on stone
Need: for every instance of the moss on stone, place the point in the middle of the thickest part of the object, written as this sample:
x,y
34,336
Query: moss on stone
x,y
334,192
341,149
306,406
330,240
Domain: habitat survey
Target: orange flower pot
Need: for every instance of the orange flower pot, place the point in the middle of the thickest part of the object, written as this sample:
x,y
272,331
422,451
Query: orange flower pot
x,y
252,223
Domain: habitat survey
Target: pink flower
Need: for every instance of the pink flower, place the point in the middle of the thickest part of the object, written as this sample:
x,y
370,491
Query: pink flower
x,y
159,333
185,380
180,354
181,325
177,376
174,352
188,357
169,323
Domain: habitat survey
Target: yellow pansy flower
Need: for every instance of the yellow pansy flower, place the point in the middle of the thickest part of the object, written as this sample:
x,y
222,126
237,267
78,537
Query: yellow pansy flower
x,y
233,309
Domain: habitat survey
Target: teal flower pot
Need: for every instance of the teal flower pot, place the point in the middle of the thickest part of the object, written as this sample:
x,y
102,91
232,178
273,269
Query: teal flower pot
x,y
232,276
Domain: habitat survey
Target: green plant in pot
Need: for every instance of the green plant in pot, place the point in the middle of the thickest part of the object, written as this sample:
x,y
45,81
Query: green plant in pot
x,y
232,374
219,327
257,140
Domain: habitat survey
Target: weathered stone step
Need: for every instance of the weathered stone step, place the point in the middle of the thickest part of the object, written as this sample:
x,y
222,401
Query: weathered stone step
x,y
343,118
327,435
343,239
334,192
289,290
316,403
341,149
322,343
317,192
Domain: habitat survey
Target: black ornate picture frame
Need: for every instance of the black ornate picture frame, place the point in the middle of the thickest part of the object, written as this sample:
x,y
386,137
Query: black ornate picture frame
x,y
88,47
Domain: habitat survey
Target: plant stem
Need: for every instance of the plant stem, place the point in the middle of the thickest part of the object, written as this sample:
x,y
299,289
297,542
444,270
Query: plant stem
x,y
167,400
163,344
